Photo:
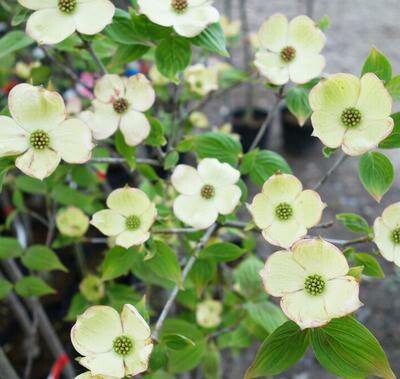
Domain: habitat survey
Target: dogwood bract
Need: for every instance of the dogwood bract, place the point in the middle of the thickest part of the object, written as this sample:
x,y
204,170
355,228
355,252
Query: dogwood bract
x,y
313,283
350,112
39,134
112,344
55,20
387,233
284,211
188,17
129,217
88,375
120,102
290,50
205,192
201,79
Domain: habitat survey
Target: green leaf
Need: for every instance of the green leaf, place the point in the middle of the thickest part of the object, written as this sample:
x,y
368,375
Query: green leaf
x,y
297,103
156,136
69,196
328,151
171,160
212,39
165,262
371,265
324,23
247,277
32,286
392,141
221,252
31,185
177,341
378,64
40,75
354,222
9,248
266,314
13,41
202,272
118,262
212,363
173,55
376,174
393,86
41,258
122,30
267,164
78,305
281,350
128,152
347,349
248,162
128,53
20,15
5,165
5,288
218,145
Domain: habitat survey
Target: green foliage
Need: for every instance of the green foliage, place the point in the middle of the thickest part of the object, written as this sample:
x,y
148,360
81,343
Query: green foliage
x,y
32,286
41,258
202,272
13,41
128,152
156,136
212,39
177,341
378,64
5,288
370,264
392,141
297,103
31,185
9,248
248,278
266,314
211,364
393,86
354,222
221,252
118,262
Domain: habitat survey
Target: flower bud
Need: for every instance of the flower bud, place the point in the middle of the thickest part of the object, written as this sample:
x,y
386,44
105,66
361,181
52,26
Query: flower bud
x,y
92,288
72,222
208,313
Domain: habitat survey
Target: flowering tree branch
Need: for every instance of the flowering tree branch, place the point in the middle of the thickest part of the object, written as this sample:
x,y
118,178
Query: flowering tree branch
x,y
339,161
116,160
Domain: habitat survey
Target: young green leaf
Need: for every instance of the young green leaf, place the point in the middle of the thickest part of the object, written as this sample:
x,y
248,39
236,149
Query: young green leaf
x,y
221,252
266,314
13,41
354,222
31,185
297,103
212,39
128,152
156,136
202,272
176,341
32,286
5,288
371,265
392,141
393,86
378,64
118,262
41,258
9,248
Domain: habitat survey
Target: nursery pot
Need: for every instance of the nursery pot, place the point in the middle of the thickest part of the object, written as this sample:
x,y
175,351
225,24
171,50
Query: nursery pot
x,y
296,138
248,127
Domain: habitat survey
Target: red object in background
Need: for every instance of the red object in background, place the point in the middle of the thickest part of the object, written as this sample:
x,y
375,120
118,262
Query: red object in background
x,y
58,367
101,175
144,68
9,86
7,210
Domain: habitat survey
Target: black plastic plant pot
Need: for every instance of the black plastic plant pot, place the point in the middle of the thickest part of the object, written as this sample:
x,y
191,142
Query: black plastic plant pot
x,y
297,139
248,127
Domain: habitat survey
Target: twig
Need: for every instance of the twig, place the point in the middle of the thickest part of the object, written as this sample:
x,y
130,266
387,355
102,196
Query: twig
x,y
323,226
89,47
174,230
115,160
340,160
345,243
185,272
6,369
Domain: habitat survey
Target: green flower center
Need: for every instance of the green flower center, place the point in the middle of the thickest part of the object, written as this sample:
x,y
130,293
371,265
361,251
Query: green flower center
x,y
132,222
179,6
39,140
67,6
284,211
288,54
351,117
207,192
314,285
396,236
122,345
120,105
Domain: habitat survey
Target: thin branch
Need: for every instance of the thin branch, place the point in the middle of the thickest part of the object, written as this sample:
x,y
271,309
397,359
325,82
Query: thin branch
x,y
323,226
185,272
339,161
89,47
175,230
6,369
345,243
114,160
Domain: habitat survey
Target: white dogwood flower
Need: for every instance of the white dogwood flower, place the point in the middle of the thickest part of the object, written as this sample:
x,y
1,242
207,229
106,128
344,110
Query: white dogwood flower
x,y
188,17
206,192
201,79
88,375
284,211
55,20
350,112
72,222
112,344
208,313
129,217
290,50
39,134
312,281
120,103
387,233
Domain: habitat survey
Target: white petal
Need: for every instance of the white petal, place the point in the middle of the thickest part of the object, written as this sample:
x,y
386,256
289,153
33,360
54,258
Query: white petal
x,y
135,127
138,361
308,208
305,36
195,211
391,215
272,67
305,310
50,26
95,330
383,239
341,296
132,238
133,324
320,257
39,164
282,188
281,274
104,364
36,108
374,101
366,136
92,17
186,180
128,201
38,4
72,140
263,210
328,128
13,139
148,217
109,88
227,198
335,94
218,174
306,67
159,12
284,233
105,121
139,93
273,33
109,222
